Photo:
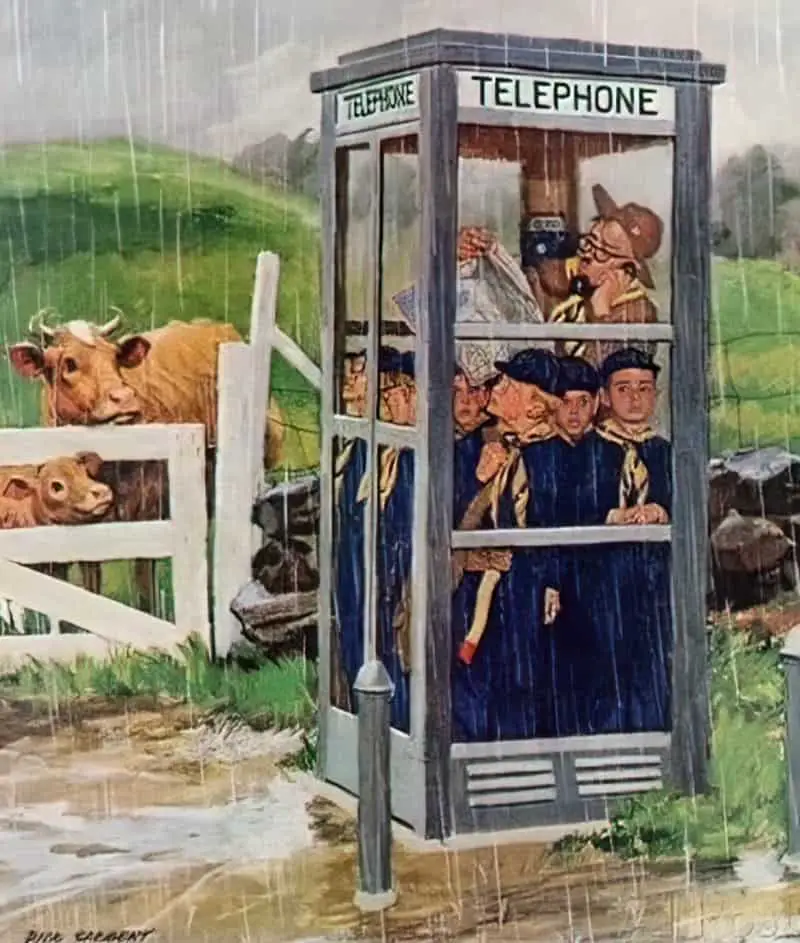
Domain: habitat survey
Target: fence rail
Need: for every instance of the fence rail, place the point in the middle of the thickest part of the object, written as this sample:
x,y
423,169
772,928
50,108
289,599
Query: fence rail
x,y
243,393
182,539
731,389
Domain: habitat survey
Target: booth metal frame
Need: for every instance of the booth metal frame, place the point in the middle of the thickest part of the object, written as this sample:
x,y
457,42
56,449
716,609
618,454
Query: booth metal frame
x,y
431,776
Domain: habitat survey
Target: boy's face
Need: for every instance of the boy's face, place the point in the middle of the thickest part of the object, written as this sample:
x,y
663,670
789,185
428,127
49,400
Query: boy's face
x,y
576,412
631,395
354,385
400,404
469,403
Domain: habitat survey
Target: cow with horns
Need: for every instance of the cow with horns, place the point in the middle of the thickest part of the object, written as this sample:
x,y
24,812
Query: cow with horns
x,y
167,375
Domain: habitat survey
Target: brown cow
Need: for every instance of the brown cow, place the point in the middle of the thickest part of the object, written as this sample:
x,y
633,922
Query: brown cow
x,y
168,375
60,491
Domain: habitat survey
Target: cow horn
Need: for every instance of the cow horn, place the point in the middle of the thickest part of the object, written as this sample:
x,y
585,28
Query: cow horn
x,y
37,326
110,326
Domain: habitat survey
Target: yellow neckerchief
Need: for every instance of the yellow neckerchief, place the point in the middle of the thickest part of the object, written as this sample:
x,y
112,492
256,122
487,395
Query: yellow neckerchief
x,y
342,461
512,471
634,482
572,266
573,309
612,430
387,478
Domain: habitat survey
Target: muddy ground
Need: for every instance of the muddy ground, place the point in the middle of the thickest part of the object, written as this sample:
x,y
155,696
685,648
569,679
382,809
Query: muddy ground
x,y
155,817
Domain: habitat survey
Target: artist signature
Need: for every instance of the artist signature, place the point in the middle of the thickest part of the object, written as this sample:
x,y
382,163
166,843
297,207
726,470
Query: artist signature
x,y
89,936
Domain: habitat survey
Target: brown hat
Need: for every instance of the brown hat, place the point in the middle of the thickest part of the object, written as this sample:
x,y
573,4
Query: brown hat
x,y
643,226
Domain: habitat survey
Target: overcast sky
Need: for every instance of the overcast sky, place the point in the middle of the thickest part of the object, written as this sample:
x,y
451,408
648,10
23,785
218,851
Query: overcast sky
x,y
215,75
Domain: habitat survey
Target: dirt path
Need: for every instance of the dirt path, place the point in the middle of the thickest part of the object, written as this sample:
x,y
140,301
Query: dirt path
x,y
155,820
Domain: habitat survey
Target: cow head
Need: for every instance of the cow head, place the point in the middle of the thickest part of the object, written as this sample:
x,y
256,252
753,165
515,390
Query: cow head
x,y
66,491
82,369
62,490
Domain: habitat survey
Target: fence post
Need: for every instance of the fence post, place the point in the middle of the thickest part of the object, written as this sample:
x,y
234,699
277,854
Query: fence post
x,y
233,497
262,331
790,656
374,688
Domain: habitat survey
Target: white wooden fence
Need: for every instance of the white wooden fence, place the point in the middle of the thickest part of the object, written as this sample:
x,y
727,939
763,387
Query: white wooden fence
x,y
243,395
182,539
241,421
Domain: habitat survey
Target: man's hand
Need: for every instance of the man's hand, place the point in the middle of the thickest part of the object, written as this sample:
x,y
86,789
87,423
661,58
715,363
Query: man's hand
x,y
552,605
611,283
651,514
640,514
473,242
622,516
493,457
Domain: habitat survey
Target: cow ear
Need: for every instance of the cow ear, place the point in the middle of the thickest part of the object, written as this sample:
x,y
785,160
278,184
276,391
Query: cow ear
x,y
131,351
91,461
27,359
16,488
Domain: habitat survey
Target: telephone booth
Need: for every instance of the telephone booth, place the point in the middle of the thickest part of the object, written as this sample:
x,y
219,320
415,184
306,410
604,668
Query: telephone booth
x,y
516,272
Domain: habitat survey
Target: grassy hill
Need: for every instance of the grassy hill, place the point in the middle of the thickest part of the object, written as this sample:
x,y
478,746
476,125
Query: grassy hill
x,y
161,235
755,364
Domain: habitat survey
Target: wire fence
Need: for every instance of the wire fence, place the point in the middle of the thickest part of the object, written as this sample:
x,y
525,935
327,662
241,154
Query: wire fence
x,y
301,426
746,389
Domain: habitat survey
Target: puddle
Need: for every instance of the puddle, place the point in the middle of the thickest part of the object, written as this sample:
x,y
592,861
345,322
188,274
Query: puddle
x,y
143,798
153,820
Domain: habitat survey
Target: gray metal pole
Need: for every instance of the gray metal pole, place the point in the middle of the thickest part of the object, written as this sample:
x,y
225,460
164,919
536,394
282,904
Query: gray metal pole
x,y
790,655
374,688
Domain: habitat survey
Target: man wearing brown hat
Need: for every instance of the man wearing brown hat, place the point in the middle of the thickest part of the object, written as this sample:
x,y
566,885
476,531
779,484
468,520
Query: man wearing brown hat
x,y
611,276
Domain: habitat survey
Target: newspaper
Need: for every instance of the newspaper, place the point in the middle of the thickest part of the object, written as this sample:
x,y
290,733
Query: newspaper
x,y
492,289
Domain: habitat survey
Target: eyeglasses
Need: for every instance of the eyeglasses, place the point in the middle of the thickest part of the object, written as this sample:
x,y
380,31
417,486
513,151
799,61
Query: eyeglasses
x,y
590,245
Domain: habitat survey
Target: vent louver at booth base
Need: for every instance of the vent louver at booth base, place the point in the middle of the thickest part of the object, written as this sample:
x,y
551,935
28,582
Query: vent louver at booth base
x,y
538,789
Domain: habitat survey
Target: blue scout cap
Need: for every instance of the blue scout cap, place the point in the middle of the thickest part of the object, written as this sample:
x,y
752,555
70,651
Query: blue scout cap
x,y
629,358
575,373
535,366
407,364
389,360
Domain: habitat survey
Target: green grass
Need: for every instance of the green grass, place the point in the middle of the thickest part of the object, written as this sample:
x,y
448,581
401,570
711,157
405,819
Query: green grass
x,y
756,338
746,806
161,235
261,692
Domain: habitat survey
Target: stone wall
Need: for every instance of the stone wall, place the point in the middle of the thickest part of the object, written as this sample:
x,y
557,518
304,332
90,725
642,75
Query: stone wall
x,y
754,517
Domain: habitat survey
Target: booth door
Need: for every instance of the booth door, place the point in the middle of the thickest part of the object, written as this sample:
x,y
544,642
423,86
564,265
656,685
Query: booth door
x,y
347,425
372,451
562,623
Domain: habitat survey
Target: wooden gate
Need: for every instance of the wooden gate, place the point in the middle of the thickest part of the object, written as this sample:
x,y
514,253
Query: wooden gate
x,y
181,539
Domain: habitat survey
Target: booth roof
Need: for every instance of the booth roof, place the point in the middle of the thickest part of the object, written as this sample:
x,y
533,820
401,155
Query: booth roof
x,y
501,51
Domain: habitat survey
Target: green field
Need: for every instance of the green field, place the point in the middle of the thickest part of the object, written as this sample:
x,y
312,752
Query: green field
x,y
161,235
755,366
746,808
261,692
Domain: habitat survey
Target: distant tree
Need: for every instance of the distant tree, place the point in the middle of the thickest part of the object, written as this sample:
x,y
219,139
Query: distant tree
x,y
282,161
789,223
302,164
401,200
750,190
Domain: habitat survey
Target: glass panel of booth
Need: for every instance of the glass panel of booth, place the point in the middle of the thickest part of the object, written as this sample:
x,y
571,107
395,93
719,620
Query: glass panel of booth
x,y
561,409
353,315
400,239
354,263
348,570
